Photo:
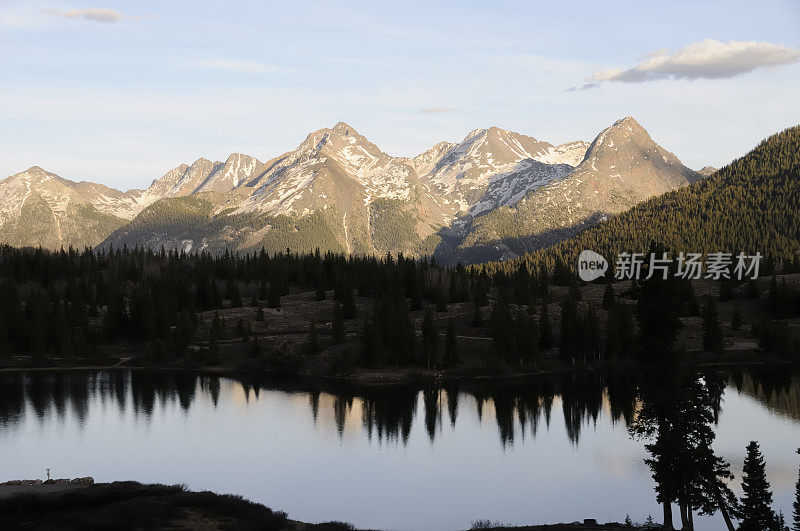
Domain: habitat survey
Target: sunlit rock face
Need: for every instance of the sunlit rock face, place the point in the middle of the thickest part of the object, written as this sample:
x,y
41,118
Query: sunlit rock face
x,y
622,167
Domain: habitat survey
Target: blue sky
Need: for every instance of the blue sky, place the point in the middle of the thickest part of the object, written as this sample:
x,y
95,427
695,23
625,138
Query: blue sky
x,y
120,92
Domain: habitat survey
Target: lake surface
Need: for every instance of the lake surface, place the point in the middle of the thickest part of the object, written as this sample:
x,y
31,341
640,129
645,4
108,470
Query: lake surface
x,y
543,451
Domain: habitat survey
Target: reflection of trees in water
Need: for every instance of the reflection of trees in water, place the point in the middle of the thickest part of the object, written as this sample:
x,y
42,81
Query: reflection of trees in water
x,y
673,411
387,412
341,407
313,403
581,400
62,393
210,385
776,388
12,398
432,398
451,391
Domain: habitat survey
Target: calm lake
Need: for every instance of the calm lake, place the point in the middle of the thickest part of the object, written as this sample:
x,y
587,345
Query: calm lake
x,y
403,457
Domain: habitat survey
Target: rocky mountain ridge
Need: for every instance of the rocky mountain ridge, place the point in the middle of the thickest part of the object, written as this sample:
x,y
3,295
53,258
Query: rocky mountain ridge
x,y
339,191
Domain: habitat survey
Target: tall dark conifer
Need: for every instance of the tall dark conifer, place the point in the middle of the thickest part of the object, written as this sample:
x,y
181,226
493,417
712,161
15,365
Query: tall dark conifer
x,y
545,330
337,325
608,296
430,339
450,345
756,506
712,332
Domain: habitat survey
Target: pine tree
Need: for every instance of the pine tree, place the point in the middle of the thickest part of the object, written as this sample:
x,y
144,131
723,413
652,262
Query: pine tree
x,y
274,295
574,292
571,338
725,289
337,325
592,325
451,345
752,289
619,332
348,304
441,301
545,330
526,339
430,339
502,329
312,347
214,334
736,320
608,296
5,343
658,316
232,293
255,350
477,317
712,333
320,293
756,506
216,297
531,302
263,291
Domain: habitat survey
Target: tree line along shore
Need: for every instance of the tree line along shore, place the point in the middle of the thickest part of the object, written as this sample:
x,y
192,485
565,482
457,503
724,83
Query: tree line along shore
x,y
373,318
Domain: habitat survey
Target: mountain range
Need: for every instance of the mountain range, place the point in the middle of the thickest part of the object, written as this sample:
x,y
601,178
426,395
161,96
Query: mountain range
x,y
493,195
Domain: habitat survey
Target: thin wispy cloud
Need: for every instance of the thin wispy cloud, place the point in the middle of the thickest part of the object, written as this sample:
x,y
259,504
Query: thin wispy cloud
x,y
232,65
585,86
93,14
434,110
708,59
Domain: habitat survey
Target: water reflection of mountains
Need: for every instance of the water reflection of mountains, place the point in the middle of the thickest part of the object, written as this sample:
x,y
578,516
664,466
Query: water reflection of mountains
x,y
387,412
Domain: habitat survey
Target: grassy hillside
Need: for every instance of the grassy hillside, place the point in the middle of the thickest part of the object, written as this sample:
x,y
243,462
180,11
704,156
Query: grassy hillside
x,y
752,204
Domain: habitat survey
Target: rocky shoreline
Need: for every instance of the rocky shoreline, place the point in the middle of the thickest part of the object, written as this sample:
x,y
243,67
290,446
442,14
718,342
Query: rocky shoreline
x,y
60,481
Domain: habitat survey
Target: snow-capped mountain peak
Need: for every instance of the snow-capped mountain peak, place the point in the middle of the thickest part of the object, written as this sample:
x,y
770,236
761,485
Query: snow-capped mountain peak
x,y
493,167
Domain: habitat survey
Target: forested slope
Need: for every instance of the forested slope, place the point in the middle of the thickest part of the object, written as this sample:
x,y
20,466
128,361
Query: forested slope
x,y
750,205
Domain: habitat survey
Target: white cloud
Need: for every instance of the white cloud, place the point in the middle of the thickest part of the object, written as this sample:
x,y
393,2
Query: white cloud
x,y
232,65
433,110
708,59
94,14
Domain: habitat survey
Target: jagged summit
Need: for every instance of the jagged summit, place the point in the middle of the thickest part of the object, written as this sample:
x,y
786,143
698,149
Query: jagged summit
x,y
628,120
35,173
343,128
493,167
355,196
622,167
205,176
33,170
